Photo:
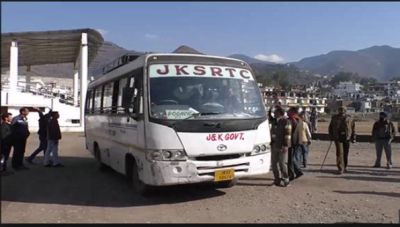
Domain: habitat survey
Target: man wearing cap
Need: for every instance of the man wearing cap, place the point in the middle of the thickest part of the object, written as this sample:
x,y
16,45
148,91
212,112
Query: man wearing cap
x,y
341,131
383,133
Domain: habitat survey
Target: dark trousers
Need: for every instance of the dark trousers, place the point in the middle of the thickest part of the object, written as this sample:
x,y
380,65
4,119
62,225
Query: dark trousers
x,y
293,162
42,147
342,154
5,154
19,152
381,144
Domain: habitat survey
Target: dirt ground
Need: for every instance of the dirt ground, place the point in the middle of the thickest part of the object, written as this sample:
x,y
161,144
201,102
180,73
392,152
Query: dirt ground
x,y
81,193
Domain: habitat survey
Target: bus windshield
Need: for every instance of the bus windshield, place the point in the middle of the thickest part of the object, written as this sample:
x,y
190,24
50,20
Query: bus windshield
x,y
189,92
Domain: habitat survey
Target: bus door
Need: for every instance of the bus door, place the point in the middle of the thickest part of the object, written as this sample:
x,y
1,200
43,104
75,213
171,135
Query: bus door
x,y
128,121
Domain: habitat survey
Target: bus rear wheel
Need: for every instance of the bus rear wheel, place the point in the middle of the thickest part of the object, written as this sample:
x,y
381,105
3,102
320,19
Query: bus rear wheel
x,y
226,184
137,184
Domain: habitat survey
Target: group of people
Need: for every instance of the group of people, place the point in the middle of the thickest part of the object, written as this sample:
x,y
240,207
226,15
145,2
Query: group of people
x,y
290,140
15,133
291,137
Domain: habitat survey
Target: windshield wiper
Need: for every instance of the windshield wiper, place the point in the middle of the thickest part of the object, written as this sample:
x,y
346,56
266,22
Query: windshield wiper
x,y
194,115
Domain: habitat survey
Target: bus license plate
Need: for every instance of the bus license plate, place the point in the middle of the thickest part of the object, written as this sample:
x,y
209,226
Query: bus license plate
x,y
224,174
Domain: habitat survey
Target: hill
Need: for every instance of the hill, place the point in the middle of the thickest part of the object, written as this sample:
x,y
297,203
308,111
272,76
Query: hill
x,y
380,62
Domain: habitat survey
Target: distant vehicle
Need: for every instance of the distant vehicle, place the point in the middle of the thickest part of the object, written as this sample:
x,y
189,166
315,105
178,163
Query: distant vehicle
x,y
167,119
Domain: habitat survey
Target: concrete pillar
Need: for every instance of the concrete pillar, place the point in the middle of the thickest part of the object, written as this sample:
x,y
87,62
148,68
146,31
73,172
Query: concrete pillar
x,y
28,79
13,79
76,86
84,75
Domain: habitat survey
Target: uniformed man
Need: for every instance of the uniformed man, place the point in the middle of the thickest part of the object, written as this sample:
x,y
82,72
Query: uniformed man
x,y
341,131
281,131
20,134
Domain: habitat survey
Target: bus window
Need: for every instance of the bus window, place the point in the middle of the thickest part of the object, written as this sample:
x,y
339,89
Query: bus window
x,y
89,102
122,84
107,97
128,95
115,97
98,100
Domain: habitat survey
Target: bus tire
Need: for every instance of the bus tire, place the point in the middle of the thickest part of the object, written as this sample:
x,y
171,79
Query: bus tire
x,y
137,184
226,184
97,156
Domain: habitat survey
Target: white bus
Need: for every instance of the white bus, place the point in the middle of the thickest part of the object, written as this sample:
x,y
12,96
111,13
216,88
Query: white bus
x,y
166,119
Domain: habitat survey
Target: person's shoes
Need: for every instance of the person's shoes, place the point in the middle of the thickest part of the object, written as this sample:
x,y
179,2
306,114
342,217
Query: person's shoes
x,y
345,170
20,168
59,165
6,173
304,165
30,161
285,183
388,166
299,175
376,166
277,182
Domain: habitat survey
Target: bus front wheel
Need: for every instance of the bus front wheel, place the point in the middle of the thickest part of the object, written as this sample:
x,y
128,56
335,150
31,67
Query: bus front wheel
x,y
97,156
138,184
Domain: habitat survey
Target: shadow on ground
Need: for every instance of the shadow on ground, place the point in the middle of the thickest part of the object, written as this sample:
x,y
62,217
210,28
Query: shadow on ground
x,y
81,182
391,194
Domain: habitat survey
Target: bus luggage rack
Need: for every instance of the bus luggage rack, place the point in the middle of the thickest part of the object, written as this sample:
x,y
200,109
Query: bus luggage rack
x,y
120,61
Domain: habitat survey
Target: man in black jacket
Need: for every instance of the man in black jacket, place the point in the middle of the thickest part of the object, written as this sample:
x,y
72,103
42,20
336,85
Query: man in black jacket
x,y
20,134
43,121
53,136
6,140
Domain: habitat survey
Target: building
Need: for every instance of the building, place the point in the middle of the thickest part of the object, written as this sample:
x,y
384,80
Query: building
x,y
347,88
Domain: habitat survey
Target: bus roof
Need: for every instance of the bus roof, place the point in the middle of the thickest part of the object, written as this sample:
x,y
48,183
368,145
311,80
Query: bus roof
x,y
141,61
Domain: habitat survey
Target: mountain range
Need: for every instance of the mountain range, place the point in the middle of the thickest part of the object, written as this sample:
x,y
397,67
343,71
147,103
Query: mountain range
x,y
380,62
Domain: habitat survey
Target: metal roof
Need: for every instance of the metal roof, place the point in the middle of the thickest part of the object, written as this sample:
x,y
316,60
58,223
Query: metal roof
x,y
49,47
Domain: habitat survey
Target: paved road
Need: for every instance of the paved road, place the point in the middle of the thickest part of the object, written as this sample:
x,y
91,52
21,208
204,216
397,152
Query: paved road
x,y
81,193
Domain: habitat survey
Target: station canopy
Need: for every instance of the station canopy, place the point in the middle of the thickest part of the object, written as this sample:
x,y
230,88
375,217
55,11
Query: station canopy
x,y
49,47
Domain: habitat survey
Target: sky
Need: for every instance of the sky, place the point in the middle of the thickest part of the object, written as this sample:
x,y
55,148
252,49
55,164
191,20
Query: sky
x,y
273,31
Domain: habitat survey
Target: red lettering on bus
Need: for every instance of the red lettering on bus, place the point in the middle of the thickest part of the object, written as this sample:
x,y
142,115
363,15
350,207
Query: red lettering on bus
x,y
180,69
159,71
216,71
220,137
199,70
244,71
231,70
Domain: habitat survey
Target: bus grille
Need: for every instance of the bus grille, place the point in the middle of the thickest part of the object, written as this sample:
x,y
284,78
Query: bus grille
x,y
218,157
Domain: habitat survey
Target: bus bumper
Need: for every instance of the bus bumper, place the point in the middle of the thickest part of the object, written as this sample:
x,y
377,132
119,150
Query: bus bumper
x,y
194,171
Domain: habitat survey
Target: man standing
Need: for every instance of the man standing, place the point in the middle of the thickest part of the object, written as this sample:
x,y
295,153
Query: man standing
x,y
43,121
53,136
295,149
383,133
20,134
6,140
281,131
341,131
313,120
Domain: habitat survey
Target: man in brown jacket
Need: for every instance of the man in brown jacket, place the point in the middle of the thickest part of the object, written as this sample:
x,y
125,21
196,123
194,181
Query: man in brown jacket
x,y
341,131
281,131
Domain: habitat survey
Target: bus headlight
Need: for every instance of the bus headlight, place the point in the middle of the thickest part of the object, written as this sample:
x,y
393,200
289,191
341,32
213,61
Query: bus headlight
x,y
166,155
260,149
